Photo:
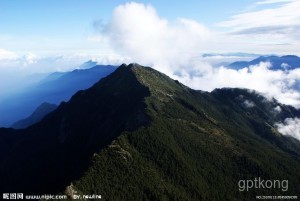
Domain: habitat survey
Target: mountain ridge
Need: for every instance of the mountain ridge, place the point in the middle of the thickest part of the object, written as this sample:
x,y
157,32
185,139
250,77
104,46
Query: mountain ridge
x,y
286,62
139,135
40,112
53,89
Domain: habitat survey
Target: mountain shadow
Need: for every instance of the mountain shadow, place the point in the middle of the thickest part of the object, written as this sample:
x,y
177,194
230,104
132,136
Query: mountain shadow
x,y
54,89
36,116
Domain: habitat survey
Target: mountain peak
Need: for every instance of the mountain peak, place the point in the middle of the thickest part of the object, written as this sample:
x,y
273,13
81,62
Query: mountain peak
x,y
156,81
88,64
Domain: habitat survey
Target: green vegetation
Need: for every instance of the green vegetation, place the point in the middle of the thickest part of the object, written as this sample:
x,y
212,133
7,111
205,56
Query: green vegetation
x,y
139,135
194,149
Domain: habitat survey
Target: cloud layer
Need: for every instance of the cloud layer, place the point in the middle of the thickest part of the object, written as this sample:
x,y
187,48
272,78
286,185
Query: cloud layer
x,y
15,70
281,23
137,31
30,63
291,126
279,84
7,55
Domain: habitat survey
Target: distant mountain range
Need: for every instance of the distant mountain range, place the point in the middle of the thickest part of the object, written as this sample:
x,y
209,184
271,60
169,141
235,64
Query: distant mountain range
x,y
54,88
287,62
60,86
88,64
236,54
139,135
36,116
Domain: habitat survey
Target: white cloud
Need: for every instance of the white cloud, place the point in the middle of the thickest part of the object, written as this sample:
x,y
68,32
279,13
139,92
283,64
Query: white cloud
x,y
277,109
272,28
137,31
134,27
29,58
290,126
272,2
248,104
285,66
277,84
12,62
32,63
281,23
69,62
7,55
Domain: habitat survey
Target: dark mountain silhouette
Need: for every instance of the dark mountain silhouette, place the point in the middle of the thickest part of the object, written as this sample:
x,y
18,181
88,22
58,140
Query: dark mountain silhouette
x,y
55,88
36,116
287,62
139,135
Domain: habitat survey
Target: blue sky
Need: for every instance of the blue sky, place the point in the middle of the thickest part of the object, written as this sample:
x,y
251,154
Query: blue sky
x,y
60,26
66,16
